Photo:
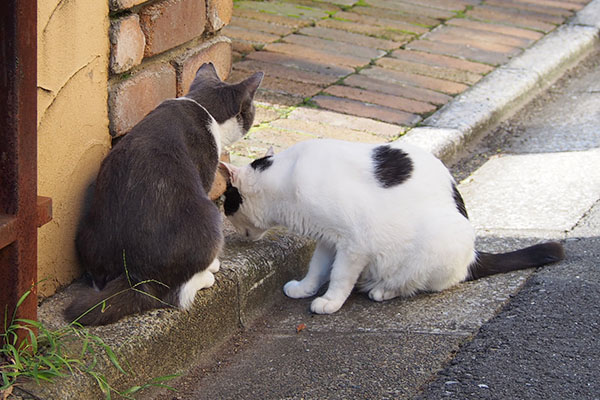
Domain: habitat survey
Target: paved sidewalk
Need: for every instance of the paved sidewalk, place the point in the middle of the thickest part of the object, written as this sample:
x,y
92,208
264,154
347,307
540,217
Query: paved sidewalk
x,y
391,62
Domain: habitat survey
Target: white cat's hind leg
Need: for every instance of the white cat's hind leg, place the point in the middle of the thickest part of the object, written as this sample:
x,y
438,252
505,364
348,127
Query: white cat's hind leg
x,y
187,292
381,294
318,273
344,273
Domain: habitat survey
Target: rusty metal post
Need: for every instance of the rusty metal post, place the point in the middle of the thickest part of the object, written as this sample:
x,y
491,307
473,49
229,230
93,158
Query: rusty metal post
x,y
18,157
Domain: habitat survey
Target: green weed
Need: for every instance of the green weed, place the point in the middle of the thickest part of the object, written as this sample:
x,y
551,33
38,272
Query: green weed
x,y
45,354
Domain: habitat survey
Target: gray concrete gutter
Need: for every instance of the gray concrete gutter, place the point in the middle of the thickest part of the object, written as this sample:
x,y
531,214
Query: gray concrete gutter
x,y
164,342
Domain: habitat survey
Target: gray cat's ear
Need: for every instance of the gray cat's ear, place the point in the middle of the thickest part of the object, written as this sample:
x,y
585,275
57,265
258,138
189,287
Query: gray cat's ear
x,y
207,71
270,152
231,171
251,84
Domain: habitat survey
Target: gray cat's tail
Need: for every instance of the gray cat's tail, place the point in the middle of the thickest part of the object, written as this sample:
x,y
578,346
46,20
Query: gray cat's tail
x,y
533,256
118,299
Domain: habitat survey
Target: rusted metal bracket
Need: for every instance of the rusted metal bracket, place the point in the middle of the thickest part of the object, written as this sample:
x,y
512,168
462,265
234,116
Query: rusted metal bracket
x,y
21,211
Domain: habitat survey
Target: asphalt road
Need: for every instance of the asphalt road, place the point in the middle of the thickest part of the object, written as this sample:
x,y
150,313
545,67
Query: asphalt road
x,y
523,335
544,344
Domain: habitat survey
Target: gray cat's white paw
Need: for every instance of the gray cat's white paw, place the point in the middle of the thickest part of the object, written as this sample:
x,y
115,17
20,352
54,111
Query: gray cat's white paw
x,y
322,305
187,292
296,290
214,266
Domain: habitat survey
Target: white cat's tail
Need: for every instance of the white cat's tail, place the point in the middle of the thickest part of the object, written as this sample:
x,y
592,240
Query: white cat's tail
x,y
118,299
534,256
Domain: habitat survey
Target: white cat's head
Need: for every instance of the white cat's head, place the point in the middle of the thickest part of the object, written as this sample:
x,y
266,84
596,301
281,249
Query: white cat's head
x,y
244,198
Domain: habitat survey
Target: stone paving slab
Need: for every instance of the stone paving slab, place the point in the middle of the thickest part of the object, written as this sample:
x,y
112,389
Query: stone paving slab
x,y
537,178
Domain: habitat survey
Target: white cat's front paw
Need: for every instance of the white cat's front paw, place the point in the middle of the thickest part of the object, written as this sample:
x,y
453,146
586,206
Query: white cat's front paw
x,y
322,305
296,290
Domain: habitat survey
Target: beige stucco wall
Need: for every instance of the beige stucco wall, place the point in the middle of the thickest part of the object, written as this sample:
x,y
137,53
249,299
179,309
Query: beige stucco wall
x,y
73,137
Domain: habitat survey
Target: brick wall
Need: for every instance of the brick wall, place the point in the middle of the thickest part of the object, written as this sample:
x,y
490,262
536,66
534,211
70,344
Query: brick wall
x,y
156,48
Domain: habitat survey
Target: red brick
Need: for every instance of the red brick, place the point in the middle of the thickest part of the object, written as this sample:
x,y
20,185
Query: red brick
x,y
455,50
449,74
333,47
316,55
567,5
278,91
438,60
219,13
300,63
386,24
262,26
282,137
347,37
242,47
448,5
523,13
438,85
485,36
399,103
499,28
399,37
396,16
361,109
131,99
410,92
444,35
217,51
249,35
296,89
500,15
280,71
170,23
561,12
414,9
127,43
288,9
293,23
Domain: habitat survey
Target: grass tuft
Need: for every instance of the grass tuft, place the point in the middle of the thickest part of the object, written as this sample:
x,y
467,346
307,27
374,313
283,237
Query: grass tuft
x,y
45,354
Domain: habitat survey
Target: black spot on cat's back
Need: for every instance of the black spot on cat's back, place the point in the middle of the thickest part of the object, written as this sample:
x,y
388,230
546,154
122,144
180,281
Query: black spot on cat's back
x,y
233,200
392,166
460,203
262,163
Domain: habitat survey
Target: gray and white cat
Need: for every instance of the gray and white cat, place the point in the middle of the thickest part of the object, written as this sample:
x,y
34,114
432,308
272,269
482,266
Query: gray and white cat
x,y
387,218
150,224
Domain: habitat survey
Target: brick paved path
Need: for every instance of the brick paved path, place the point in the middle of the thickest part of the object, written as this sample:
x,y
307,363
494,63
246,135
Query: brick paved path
x,y
367,70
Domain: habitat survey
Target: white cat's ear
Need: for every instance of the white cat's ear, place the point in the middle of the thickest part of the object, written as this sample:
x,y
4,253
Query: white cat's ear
x,y
231,171
270,152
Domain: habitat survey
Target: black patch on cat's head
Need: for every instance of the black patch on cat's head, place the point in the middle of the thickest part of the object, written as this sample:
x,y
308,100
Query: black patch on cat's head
x,y
460,203
392,166
233,200
262,163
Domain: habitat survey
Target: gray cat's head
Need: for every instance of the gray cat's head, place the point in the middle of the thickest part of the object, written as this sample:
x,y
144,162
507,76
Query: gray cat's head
x,y
244,198
225,101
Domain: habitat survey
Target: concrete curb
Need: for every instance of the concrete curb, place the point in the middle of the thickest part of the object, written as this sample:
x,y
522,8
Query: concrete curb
x,y
163,342
506,89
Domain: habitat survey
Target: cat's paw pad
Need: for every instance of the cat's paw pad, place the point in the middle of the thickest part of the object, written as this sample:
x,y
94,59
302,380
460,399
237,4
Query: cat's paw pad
x,y
380,294
296,290
322,305
214,266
